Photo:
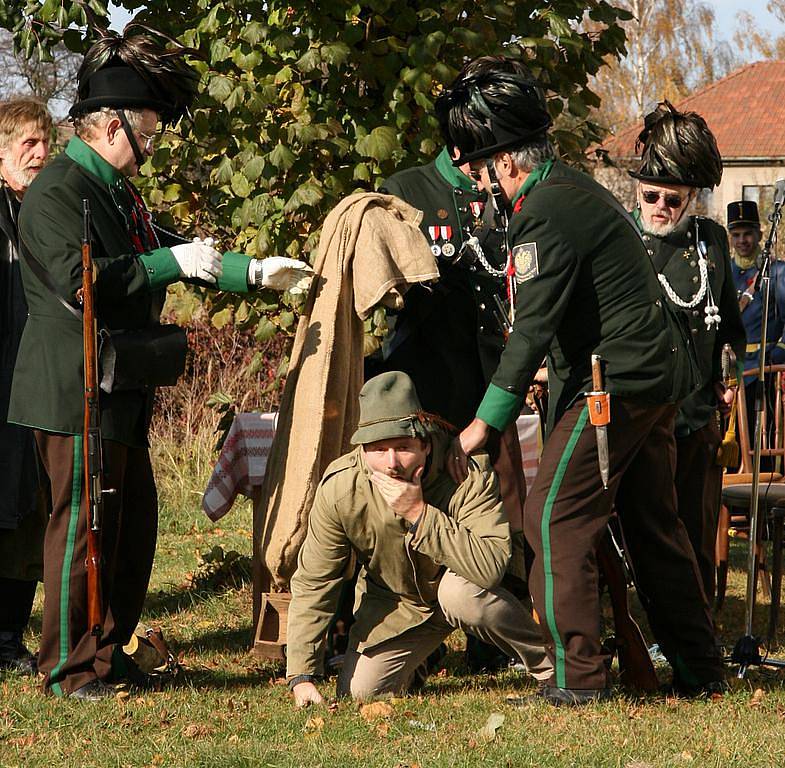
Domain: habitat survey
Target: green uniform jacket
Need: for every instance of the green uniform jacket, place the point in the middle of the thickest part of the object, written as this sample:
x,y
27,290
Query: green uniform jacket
x,y
674,257
586,285
446,338
463,528
48,386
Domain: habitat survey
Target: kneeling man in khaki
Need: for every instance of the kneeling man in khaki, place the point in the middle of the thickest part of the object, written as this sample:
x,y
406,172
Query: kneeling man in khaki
x,y
433,555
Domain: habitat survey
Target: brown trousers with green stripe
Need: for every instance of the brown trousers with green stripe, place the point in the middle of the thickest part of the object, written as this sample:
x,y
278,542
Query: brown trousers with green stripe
x,y
565,516
69,656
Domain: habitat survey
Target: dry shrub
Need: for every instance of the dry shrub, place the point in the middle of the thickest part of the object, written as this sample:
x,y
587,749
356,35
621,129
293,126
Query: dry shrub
x,y
183,429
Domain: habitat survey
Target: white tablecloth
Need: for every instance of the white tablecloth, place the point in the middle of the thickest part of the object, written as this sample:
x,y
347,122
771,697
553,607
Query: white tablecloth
x,y
243,459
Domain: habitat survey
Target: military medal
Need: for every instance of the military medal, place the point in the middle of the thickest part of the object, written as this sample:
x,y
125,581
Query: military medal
x,y
476,208
442,213
448,249
434,233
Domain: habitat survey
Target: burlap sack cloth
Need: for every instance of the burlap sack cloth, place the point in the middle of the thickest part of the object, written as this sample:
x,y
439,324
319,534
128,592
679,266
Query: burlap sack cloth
x,y
370,252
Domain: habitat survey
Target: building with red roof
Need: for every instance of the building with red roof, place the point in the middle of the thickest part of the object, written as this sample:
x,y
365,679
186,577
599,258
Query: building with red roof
x,y
746,113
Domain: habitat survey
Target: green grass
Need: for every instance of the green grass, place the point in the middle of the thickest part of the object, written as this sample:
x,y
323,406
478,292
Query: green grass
x,y
228,710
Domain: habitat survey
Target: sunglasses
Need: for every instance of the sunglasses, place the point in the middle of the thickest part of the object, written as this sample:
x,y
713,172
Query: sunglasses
x,y
672,200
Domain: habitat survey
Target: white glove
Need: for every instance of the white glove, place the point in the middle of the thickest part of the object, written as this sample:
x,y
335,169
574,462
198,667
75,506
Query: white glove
x,y
280,274
199,259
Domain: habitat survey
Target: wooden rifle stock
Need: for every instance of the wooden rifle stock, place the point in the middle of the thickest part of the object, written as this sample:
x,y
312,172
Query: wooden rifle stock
x,y
635,666
92,453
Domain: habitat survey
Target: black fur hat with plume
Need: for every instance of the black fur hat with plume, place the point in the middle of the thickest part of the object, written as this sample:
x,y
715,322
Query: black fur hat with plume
x,y
677,148
141,68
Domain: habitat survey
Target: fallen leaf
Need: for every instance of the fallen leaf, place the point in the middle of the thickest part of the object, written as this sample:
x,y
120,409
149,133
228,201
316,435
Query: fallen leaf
x,y
686,756
382,729
472,744
314,724
197,731
492,724
757,697
375,711
22,741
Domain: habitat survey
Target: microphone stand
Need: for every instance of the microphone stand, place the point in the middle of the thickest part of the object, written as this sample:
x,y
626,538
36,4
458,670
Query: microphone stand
x,y
747,649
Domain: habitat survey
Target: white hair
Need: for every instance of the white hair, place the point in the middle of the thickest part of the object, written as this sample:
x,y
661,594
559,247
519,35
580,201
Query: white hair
x,y
84,125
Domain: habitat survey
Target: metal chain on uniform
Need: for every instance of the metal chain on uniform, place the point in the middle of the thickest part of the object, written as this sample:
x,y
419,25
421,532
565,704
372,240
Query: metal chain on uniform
x,y
711,311
474,243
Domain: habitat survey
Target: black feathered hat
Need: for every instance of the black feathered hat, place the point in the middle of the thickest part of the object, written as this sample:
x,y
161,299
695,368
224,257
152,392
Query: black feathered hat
x,y
677,148
136,71
492,111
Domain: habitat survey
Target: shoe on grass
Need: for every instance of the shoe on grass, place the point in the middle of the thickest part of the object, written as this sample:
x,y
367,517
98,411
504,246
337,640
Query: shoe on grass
x,y
14,656
95,690
561,697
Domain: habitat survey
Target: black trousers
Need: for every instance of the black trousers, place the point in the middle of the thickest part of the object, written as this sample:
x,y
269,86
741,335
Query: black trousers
x,y
698,490
69,655
566,513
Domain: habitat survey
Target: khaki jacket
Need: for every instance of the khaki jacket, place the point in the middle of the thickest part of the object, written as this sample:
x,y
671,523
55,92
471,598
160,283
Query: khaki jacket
x,y
463,528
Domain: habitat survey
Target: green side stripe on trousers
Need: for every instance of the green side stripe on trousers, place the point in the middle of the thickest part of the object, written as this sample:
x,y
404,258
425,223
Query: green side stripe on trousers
x,y
65,575
545,532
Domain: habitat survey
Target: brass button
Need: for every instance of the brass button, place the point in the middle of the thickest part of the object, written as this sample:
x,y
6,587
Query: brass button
x,y
693,263
482,306
695,278
695,313
694,331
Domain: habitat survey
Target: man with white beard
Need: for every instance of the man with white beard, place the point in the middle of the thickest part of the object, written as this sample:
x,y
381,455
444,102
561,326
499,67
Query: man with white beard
x,y
679,156
25,131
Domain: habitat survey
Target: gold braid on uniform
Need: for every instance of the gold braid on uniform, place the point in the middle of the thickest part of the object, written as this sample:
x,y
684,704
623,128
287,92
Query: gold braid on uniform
x,y
679,146
157,58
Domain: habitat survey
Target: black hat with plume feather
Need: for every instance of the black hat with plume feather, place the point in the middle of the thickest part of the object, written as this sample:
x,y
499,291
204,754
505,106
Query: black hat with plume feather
x,y
489,111
141,68
677,148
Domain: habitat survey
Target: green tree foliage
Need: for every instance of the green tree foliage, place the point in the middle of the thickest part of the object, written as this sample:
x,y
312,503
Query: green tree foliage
x,y
303,102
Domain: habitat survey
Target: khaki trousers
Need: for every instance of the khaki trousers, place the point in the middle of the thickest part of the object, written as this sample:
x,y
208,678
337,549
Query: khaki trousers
x,y
493,615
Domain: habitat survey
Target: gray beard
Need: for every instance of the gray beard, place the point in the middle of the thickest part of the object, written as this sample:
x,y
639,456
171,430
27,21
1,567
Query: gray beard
x,y
22,177
659,230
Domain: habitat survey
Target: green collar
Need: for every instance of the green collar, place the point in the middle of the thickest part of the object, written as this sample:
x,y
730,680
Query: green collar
x,y
540,173
636,215
453,176
91,161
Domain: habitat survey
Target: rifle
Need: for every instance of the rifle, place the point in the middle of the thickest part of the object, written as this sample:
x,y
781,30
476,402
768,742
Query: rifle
x,y
635,666
92,448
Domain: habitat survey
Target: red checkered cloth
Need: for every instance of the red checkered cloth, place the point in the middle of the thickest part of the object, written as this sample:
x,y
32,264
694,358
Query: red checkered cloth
x,y
243,459
242,463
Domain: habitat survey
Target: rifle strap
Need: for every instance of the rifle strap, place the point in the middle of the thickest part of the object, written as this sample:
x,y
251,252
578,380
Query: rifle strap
x,y
43,275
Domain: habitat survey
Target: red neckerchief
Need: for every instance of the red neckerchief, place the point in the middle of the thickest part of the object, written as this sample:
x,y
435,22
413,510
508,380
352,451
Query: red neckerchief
x,y
143,237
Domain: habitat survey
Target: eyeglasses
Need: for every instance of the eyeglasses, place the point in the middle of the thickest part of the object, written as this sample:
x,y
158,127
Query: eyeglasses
x,y
149,141
672,199
475,174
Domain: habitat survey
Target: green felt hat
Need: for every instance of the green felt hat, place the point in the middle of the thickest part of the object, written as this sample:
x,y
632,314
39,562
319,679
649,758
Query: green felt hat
x,y
389,408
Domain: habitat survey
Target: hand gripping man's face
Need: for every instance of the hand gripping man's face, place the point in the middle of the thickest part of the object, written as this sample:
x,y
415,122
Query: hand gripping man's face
x,y
397,457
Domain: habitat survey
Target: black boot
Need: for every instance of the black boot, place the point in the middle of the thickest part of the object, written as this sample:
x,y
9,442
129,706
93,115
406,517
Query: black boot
x,y
14,656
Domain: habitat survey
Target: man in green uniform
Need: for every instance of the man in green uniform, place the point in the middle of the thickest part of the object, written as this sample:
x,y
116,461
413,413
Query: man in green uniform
x,y
449,336
690,253
432,554
585,286
25,132
125,86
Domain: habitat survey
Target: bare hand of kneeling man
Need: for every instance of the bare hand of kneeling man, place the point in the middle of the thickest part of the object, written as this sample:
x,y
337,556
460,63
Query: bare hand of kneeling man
x,y
306,693
403,497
